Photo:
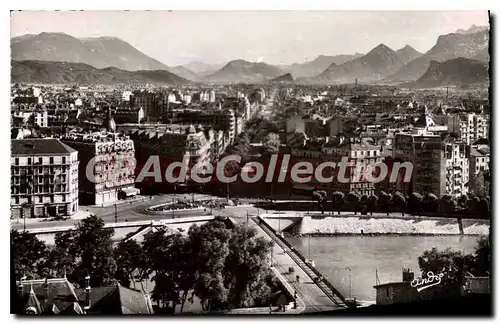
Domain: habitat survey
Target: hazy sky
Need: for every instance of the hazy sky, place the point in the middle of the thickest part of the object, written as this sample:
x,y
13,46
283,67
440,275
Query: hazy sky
x,y
276,37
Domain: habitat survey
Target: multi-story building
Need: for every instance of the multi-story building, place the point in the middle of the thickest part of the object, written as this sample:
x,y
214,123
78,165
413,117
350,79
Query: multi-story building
x,y
175,143
107,165
360,154
440,165
41,118
211,96
473,127
44,178
224,119
153,104
479,162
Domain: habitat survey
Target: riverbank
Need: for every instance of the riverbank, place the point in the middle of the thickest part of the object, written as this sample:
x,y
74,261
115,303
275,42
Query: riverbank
x,y
404,225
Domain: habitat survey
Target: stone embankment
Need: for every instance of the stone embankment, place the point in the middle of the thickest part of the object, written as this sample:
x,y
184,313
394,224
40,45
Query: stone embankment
x,y
404,225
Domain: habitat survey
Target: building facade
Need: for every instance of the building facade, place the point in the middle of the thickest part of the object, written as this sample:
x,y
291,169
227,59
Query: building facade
x,y
44,178
107,163
473,127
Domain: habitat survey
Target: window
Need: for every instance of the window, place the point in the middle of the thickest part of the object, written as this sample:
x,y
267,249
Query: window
x,y
16,200
16,161
51,160
40,199
40,160
387,292
63,160
29,161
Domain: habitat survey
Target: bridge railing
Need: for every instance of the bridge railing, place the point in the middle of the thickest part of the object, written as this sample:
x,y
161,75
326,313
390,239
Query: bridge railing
x,y
295,254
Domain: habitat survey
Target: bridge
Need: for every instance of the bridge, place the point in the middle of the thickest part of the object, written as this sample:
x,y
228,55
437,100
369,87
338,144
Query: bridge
x,y
314,292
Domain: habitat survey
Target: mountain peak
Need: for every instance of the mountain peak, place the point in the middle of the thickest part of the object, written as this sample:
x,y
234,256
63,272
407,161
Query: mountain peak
x,y
472,29
99,52
382,46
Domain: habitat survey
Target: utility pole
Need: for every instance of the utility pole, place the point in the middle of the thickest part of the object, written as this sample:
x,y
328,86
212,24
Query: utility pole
x,y
309,244
116,214
173,208
247,217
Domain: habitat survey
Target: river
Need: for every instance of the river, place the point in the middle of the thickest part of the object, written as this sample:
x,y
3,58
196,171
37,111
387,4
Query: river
x,y
387,254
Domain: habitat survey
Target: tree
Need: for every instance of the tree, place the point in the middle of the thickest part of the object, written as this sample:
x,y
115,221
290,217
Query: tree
x,y
480,184
482,258
320,197
384,201
473,204
166,260
452,263
364,202
128,257
353,199
246,269
484,205
94,247
447,204
463,202
210,247
337,200
28,254
415,202
63,256
372,202
430,202
399,201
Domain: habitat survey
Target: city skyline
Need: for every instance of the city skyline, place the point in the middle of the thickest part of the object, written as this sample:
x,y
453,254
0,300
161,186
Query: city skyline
x,y
298,37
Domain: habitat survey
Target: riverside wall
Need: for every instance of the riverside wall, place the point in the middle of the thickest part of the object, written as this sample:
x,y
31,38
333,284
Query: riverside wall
x,y
405,225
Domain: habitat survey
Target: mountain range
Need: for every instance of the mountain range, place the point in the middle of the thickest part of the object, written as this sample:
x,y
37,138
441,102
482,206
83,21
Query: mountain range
x,y
377,64
111,59
99,52
241,71
455,72
316,66
64,72
467,45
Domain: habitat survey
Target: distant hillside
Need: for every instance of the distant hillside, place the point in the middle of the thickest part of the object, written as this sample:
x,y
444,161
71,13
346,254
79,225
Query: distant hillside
x,y
283,78
472,30
374,66
456,72
98,52
184,72
316,66
407,54
447,47
203,69
240,71
63,72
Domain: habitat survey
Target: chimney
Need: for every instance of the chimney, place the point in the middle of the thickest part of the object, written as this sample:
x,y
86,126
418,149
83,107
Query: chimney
x,y
87,293
408,275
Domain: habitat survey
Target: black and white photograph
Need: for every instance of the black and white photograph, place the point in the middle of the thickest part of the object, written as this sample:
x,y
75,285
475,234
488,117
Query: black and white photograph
x,y
251,162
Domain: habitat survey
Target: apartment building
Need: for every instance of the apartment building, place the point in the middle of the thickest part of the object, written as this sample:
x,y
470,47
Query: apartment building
x,y
176,143
224,119
44,178
473,127
440,165
109,159
479,162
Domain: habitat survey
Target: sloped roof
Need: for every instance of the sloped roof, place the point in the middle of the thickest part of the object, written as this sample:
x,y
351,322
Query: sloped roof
x,y
59,292
40,146
117,300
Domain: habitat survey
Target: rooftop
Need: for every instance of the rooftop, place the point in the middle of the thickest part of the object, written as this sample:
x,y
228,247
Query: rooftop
x,y
39,146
